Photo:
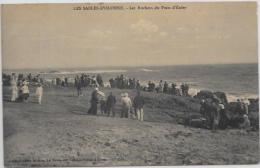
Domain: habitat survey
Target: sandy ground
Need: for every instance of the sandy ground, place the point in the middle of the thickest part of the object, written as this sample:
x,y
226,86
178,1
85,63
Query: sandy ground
x,y
59,133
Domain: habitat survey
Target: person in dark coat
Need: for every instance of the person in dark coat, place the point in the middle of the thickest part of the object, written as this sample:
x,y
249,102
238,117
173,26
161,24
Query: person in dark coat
x,y
110,104
224,120
182,89
103,105
215,115
173,89
94,102
100,80
138,105
165,87
78,85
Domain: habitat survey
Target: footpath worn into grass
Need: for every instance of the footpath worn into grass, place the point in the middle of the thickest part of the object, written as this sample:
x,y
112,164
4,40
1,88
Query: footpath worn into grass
x,y
59,133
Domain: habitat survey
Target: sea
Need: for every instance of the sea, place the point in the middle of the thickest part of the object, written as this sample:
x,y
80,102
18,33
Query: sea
x,y
236,80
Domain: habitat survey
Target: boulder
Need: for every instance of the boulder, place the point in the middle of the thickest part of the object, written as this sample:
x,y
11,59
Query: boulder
x,y
206,94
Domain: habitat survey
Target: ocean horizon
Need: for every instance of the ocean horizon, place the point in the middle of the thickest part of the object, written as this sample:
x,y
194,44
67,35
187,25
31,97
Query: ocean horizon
x,y
237,80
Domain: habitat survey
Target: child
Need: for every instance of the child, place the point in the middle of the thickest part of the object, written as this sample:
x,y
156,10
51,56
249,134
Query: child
x,y
39,91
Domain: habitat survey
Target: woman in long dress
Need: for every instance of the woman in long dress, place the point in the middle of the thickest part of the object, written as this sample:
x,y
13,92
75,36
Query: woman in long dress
x,y
39,92
14,89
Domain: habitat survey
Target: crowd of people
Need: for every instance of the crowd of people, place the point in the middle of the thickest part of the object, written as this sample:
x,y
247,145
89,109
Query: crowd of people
x,y
122,82
20,92
215,113
129,109
86,81
165,87
20,87
213,105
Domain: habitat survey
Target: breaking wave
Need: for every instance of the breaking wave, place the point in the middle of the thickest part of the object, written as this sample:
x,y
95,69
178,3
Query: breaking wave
x,y
87,72
148,70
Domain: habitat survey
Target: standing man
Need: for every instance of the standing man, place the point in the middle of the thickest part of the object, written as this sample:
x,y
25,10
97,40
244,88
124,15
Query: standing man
x,y
160,86
215,114
138,106
165,87
94,102
110,104
78,85
126,106
103,105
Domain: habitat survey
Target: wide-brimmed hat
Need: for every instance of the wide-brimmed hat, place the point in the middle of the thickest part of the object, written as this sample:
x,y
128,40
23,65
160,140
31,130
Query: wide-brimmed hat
x,y
245,116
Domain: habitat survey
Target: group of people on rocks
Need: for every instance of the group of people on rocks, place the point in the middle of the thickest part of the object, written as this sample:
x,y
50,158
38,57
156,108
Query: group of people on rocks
x,y
20,88
215,113
87,81
129,109
60,81
122,82
165,87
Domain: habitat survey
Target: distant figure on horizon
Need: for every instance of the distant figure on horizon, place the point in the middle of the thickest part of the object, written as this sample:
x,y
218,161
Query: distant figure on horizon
x,y
165,87
173,89
185,89
78,85
138,85
99,80
160,86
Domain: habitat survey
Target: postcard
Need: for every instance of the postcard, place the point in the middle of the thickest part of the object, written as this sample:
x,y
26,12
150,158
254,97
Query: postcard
x,y
130,84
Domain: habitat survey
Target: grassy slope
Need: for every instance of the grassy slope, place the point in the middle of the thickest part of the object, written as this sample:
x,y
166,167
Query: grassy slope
x,y
57,133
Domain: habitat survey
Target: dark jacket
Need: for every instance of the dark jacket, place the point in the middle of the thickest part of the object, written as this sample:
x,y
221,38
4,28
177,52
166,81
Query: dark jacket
x,y
111,101
138,102
94,97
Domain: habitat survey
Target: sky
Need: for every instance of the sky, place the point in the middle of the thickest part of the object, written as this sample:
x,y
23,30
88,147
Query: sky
x,y
56,36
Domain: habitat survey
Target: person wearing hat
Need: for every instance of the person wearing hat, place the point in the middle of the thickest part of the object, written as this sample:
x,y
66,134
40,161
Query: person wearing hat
x,y
39,92
94,101
126,106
